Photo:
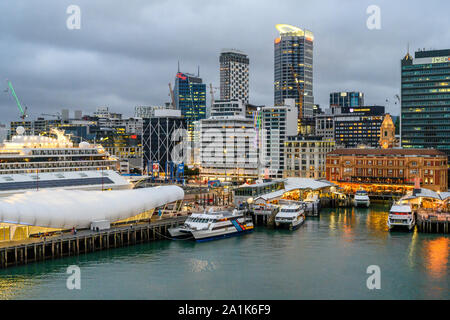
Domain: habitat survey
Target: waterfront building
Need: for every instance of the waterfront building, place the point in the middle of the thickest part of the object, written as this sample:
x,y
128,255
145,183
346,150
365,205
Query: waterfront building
x,y
358,126
305,156
293,68
425,99
281,189
164,142
387,133
277,123
352,99
190,98
392,170
227,144
234,75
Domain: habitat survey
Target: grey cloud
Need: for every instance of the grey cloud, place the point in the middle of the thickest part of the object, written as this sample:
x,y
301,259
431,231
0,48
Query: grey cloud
x,y
126,52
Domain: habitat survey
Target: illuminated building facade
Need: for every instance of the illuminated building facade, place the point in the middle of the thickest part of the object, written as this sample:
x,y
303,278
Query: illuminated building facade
x,y
227,148
358,126
425,97
190,98
234,75
387,168
387,133
305,156
346,99
277,124
293,68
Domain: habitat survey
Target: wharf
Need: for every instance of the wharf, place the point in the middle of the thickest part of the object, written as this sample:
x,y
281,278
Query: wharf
x,y
429,222
84,241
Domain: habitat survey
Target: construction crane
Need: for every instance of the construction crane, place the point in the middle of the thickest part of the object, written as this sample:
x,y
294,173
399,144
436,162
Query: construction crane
x,y
300,96
211,91
172,96
23,110
56,115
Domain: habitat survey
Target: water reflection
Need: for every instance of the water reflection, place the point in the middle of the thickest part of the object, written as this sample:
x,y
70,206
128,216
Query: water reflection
x,y
436,256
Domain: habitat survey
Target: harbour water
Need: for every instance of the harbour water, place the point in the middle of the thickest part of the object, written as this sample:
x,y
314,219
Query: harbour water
x,y
326,258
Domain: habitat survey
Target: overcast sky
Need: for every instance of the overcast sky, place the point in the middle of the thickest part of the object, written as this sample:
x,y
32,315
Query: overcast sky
x,y
126,52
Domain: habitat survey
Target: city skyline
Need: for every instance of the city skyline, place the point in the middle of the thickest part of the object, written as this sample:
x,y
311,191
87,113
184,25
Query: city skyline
x,y
53,68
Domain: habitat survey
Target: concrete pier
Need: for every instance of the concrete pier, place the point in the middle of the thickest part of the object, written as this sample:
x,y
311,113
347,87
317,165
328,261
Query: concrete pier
x,y
85,241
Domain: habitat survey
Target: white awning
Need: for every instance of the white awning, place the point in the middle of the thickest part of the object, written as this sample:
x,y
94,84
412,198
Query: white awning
x,y
77,208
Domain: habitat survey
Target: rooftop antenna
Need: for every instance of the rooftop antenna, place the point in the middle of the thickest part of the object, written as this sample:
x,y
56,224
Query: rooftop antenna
x,y
198,72
178,65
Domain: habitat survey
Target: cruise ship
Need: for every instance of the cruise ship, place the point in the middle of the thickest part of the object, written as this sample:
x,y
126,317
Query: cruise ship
x,y
213,225
39,162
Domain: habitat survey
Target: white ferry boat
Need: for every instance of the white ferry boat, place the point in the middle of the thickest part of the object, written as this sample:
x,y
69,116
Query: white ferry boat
x,y
291,216
30,163
213,225
361,199
401,215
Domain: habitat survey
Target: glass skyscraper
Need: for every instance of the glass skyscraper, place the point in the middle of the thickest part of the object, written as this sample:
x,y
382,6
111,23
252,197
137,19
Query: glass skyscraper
x,y
425,98
293,68
346,99
190,98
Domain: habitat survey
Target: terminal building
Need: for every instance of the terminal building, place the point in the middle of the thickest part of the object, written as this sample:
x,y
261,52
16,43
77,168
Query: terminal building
x,y
387,170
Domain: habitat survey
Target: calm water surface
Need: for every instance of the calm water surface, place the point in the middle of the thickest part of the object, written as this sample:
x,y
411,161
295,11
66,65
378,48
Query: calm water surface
x,y
326,258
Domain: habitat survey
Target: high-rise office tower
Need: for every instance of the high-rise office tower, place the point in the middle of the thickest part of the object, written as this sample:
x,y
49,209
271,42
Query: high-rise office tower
x,y
346,99
190,98
425,99
294,68
234,75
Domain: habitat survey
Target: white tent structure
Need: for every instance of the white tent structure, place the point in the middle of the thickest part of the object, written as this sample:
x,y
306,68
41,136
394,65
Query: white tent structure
x,y
77,208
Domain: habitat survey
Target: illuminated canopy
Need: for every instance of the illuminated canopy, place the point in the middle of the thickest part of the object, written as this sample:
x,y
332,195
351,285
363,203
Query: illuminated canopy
x,y
286,29
77,208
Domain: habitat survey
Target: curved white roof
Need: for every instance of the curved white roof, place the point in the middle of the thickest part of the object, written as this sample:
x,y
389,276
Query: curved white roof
x,y
306,183
77,208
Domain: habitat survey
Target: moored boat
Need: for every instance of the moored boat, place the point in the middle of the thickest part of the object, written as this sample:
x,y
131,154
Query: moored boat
x,y
401,216
361,199
213,225
291,216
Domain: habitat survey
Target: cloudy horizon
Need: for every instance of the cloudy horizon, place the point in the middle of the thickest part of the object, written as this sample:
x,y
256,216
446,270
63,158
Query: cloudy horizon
x,y
125,54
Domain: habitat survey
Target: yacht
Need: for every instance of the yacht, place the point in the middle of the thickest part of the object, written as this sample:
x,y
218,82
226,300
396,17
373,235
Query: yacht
x,y
29,162
361,199
291,216
401,215
213,225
